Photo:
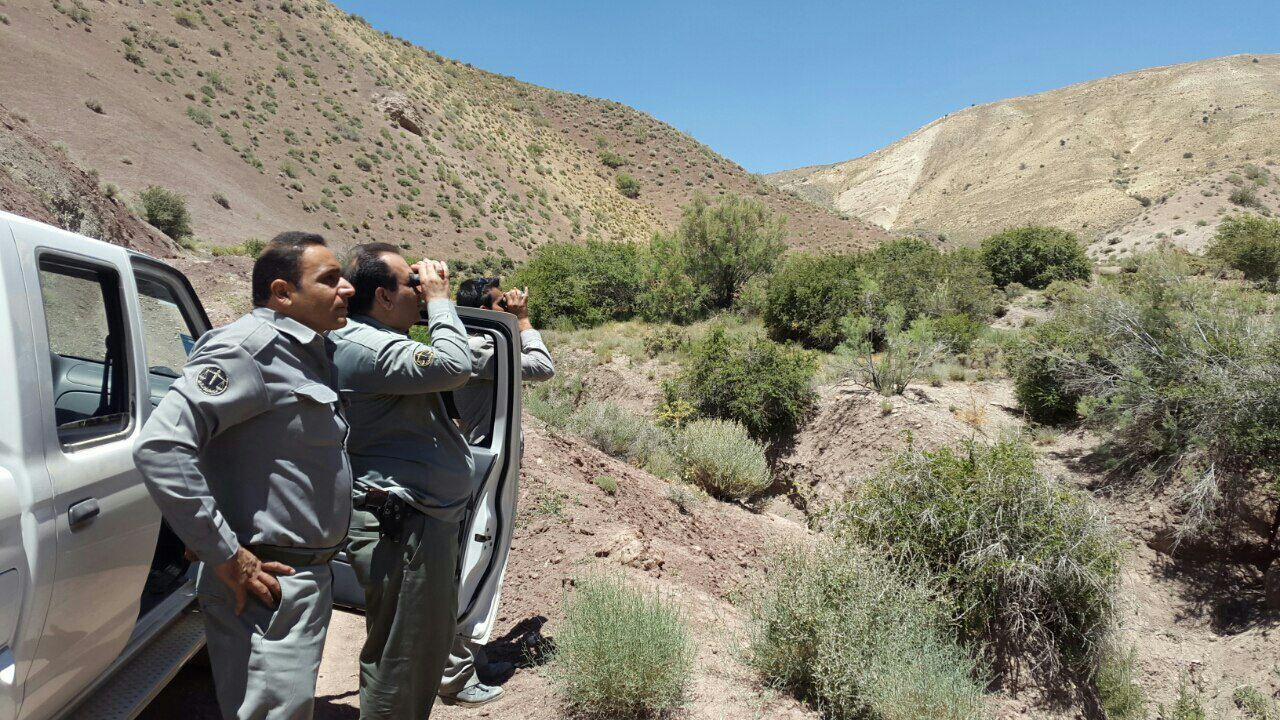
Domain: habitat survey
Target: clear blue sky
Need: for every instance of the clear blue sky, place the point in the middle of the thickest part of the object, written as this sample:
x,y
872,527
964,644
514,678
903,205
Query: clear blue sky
x,y
778,84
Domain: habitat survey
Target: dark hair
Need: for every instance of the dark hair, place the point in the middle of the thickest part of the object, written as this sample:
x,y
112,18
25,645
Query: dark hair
x,y
475,292
281,259
367,271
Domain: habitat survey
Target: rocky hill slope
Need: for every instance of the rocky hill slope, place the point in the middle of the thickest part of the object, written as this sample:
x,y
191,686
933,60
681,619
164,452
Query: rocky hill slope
x,y
294,114
1090,157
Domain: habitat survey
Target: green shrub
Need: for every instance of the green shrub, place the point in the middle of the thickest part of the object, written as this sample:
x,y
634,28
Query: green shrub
x,y
957,332
1250,244
763,385
1038,368
627,185
728,244
1254,705
1035,256
1245,197
721,458
1183,377
808,296
166,210
606,483
1027,567
668,293
1118,689
612,159
926,282
1188,705
249,248
621,653
846,634
583,284
907,350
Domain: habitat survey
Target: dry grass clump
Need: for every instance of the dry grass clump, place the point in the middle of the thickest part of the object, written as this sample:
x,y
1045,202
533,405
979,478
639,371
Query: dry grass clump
x,y
721,458
846,634
622,652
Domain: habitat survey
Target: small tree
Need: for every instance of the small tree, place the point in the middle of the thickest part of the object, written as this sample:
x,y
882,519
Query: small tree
x,y
166,210
669,294
907,349
806,299
729,243
1035,256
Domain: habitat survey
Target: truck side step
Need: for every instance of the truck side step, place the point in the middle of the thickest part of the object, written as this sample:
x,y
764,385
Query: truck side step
x,y
126,694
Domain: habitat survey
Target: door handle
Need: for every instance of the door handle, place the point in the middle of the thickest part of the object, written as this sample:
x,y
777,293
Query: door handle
x,y
82,512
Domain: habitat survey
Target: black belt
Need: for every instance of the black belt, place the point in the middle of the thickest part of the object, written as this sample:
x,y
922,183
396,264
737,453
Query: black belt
x,y
295,557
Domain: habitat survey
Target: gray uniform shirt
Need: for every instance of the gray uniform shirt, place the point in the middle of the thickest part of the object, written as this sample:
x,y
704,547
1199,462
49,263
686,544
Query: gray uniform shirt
x,y
475,400
401,436
247,448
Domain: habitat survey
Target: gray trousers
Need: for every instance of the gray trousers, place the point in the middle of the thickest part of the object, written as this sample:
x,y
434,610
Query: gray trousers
x,y
265,660
460,670
411,609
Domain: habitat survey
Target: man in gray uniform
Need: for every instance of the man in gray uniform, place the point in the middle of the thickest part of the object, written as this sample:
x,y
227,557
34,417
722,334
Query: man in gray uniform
x,y
413,474
461,683
245,458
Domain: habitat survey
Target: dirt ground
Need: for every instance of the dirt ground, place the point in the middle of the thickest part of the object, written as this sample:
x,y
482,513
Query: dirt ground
x,y
1198,616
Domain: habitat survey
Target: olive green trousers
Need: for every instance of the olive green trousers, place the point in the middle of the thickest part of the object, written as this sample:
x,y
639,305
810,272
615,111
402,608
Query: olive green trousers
x,y
411,609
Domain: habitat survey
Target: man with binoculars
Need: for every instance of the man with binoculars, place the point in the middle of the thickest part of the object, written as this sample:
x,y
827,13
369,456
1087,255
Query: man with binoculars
x,y
412,470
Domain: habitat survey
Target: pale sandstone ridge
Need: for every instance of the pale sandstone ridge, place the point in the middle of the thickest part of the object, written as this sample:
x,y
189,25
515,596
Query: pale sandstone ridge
x,y
1079,157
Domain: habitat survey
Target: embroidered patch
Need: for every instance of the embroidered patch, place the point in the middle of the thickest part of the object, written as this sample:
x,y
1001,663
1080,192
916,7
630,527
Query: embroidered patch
x,y
424,356
212,381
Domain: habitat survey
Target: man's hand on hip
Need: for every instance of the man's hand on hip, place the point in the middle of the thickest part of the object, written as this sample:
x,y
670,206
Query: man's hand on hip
x,y
244,573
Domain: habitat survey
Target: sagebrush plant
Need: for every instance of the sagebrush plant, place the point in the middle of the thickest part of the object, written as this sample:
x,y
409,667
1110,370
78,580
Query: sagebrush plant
x,y
1250,244
763,385
1028,567
624,435
847,634
721,458
1183,377
1035,256
1254,705
621,652
166,211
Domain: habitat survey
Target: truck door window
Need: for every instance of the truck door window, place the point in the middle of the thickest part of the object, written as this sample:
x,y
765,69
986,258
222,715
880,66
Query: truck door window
x,y
84,319
166,332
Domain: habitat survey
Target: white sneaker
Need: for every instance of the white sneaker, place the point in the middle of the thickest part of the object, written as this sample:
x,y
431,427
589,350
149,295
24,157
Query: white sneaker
x,y
476,695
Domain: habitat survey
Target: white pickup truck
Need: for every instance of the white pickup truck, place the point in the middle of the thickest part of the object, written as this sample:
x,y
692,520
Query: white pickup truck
x,y
97,607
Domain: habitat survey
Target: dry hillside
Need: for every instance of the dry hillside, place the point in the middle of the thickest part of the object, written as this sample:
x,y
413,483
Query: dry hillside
x,y
296,115
1090,157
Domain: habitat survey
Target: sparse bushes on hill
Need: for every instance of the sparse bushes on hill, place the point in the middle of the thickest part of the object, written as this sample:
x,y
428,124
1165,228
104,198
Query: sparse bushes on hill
x,y
721,458
1035,256
166,210
1245,197
583,285
1250,244
622,652
848,635
763,385
806,299
612,159
252,247
1027,567
729,243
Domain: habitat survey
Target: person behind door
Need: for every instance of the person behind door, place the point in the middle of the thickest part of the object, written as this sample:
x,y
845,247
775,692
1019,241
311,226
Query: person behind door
x,y
245,458
468,665
413,474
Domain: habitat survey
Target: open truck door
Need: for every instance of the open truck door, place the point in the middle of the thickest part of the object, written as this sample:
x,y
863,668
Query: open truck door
x,y
93,536
490,519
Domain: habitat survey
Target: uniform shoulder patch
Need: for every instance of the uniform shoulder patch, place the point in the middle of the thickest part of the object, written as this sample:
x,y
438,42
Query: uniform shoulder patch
x,y
212,381
424,356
